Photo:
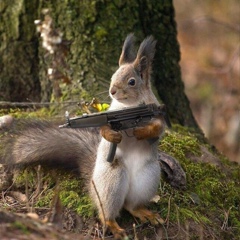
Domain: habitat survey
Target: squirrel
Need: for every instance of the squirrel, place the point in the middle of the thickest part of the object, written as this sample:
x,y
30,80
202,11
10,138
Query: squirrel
x,y
132,179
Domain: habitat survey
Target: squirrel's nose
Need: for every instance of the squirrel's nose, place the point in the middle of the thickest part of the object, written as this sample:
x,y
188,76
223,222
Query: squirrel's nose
x,y
113,90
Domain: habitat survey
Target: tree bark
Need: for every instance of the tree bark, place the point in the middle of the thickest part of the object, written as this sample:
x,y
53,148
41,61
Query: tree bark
x,y
159,21
19,79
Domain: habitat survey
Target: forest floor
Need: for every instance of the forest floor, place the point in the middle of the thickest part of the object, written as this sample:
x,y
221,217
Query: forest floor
x,y
46,203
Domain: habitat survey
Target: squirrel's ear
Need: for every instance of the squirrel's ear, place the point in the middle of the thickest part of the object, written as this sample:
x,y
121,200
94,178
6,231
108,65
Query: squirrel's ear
x,y
141,64
127,55
145,55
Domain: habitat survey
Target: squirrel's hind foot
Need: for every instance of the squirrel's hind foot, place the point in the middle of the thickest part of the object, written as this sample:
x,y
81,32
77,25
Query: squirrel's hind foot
x,y
146,215
118,232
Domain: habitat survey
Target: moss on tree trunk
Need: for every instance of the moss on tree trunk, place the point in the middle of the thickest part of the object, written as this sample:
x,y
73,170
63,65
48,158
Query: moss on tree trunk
x,y
19,79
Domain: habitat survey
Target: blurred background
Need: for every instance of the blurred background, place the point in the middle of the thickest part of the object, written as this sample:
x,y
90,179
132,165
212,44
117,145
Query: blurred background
x,y
209,38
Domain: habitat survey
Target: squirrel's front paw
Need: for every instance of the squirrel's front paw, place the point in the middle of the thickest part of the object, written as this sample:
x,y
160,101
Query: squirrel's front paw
x,y
152,130
110,135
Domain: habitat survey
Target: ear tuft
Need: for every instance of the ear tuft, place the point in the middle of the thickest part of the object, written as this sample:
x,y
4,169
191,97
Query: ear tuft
x,y
147,49
128,55
145,55
141,64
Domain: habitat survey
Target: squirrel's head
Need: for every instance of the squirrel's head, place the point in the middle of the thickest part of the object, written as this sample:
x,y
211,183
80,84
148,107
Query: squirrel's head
x,y
131,82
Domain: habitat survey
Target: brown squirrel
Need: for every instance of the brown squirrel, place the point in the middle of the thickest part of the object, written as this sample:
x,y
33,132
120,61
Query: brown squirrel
x,y
132,179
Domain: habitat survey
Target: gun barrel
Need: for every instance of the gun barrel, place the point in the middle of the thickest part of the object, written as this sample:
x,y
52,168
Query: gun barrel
x,y
85,121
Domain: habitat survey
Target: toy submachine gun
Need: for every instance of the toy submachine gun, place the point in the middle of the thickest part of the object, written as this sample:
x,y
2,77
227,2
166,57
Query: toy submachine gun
x,y
118,120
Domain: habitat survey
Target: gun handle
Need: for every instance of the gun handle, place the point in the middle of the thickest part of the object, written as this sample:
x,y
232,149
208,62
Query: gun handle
x,y
112,151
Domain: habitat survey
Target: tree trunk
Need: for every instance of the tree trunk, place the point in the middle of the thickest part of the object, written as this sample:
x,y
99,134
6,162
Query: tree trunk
x,y
167,73
19,79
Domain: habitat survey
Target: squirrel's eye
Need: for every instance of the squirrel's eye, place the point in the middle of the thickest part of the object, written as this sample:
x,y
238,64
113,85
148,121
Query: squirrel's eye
x,y
132,82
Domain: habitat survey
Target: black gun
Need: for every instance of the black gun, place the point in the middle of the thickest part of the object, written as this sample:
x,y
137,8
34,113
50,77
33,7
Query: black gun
x,y
119,120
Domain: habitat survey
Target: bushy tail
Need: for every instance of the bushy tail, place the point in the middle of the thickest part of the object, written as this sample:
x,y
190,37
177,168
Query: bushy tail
x,y
45,143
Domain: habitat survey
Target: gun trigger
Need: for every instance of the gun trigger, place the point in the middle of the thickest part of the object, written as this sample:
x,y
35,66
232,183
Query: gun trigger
x,y
128,134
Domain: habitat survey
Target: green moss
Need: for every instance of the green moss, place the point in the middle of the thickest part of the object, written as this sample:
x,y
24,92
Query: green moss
x,y
71,190
32,113
27,176
20,226
74,197
212,195
179,142
46,199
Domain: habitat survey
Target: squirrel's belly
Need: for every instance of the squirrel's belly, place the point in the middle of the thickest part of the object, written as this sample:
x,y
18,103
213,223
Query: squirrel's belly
x,y
143,169
135,154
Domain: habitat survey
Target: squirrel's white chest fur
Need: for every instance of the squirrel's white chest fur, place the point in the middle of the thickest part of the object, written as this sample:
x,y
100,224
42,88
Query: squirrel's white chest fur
x,y
133,153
